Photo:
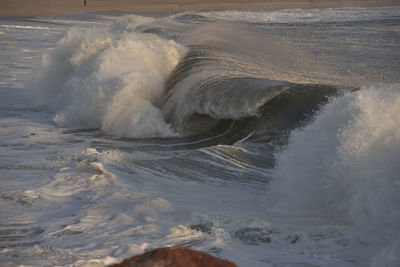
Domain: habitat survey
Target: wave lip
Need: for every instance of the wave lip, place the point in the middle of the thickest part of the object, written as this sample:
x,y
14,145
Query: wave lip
x,y
220,99
208,82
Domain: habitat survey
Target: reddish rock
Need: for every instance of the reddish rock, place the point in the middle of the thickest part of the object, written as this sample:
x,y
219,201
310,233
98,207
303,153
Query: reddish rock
x,y
174,257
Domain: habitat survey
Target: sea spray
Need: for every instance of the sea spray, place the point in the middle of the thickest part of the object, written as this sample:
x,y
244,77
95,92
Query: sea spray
x,y
109,79
344,167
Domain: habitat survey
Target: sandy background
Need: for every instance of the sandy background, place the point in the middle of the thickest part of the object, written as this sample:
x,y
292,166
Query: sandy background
x,y
31,8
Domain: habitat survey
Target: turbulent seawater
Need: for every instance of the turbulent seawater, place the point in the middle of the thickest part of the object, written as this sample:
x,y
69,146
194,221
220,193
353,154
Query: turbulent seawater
x,y
268,138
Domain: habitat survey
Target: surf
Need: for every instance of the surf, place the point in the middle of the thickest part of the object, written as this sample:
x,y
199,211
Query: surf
x,y
288,128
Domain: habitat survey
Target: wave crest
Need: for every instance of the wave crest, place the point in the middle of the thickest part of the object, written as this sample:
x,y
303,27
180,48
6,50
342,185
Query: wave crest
x,y
113,80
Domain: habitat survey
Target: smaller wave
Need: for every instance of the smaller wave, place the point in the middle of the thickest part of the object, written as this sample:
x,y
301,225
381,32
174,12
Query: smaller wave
x,y
315,15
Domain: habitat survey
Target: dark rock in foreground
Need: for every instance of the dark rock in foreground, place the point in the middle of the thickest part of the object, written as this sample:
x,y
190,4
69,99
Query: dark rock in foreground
x,y
174,257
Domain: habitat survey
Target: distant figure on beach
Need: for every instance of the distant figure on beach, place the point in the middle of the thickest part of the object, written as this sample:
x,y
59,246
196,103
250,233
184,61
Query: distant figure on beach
x,y
84,3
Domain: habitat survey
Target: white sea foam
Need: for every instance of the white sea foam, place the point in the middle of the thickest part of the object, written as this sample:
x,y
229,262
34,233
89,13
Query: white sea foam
x,y
314,15
25,27
109,78
344,167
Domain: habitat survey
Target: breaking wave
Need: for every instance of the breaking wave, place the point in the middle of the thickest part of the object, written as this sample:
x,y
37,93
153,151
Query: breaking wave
x,y
344,167
130,82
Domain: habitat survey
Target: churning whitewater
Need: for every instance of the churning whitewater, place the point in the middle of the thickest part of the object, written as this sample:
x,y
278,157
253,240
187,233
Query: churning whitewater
x,y
268,138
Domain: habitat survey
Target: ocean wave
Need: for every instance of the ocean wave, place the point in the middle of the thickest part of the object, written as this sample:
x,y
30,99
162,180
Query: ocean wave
x,y
131,83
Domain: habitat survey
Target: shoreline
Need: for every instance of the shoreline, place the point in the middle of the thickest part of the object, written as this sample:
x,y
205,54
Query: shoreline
x,y
34,8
